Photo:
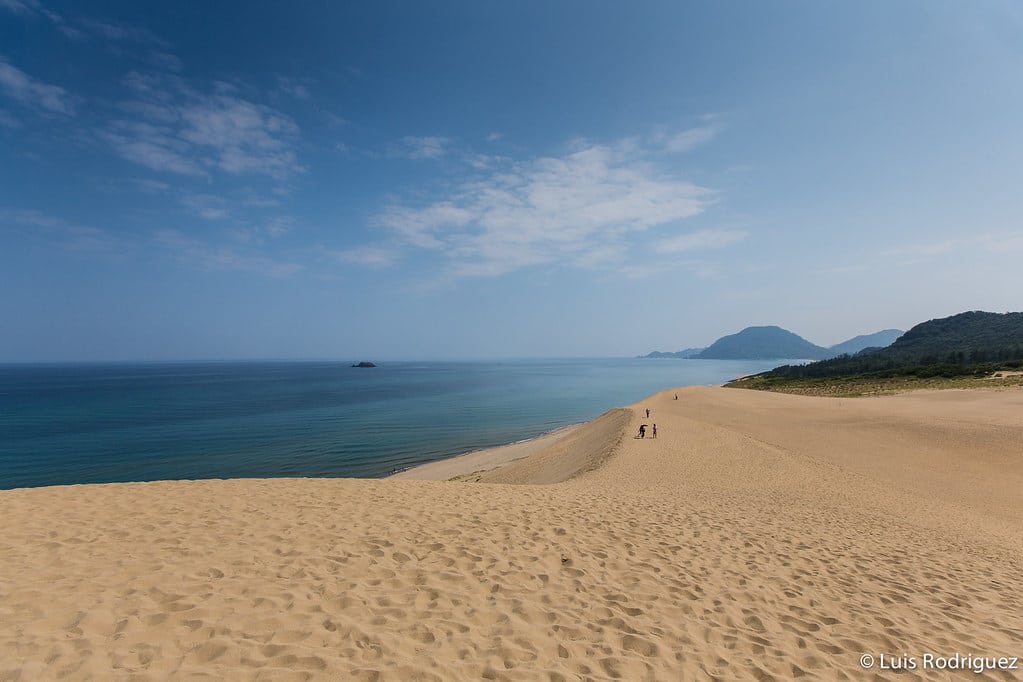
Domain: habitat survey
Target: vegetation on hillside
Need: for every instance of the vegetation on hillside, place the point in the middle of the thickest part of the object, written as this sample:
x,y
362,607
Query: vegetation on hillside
x,y
968,350
966,344
882,383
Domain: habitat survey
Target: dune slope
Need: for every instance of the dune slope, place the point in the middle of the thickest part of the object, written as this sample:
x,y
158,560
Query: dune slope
x,y
758,537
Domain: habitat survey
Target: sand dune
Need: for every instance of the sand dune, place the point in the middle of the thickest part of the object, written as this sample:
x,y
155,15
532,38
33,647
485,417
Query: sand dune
x,y
759,537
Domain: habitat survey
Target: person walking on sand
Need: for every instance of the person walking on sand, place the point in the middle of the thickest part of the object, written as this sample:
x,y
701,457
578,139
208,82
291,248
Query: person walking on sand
x,y
655,430
648,413
642,430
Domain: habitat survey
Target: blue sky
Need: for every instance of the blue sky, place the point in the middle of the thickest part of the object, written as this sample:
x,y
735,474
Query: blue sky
x,y
476,179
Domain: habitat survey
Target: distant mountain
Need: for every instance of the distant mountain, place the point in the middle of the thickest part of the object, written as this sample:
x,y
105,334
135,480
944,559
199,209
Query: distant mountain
x,y
763,343
961,340
770,343
854,345
683,354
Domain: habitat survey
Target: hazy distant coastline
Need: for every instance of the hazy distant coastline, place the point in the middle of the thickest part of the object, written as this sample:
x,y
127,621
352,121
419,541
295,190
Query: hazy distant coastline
x,y
775,343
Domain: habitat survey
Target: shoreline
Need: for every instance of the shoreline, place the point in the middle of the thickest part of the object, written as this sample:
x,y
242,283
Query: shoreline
x,y
484,459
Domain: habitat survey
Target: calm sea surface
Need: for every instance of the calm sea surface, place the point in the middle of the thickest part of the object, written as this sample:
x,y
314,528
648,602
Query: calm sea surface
x,y
65,424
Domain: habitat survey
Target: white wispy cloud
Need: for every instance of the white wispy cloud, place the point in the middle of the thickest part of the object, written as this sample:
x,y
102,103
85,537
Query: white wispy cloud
x,y
117,31
253,199
127,37
334,120
257,234
29,217
84,28
991,242
702,269
369,256
580,209
293,88
484,161
278,227
165,61
699,240
154,146
206,256
32,92
1007,243
25,7
64,234
690,139
424,227
145,185
8,121
424,147
205,206
177,129
244,137
849,269
63,26
149,86
932,248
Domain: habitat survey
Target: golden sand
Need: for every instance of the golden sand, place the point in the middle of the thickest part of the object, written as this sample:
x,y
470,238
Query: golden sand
x,y
759,536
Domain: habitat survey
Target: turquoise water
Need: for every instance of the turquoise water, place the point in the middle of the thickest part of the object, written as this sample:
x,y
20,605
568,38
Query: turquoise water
x,y
66,424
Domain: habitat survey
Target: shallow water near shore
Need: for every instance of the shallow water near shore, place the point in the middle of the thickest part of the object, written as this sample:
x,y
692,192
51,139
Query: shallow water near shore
x,y
68,424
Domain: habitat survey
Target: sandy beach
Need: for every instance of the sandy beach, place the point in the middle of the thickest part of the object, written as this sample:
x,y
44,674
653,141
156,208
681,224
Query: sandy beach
x,y
760,536
468,465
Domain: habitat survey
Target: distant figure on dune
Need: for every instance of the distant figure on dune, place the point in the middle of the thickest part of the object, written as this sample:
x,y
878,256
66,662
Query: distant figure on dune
x,y
648,413
676,396
655,430
642,430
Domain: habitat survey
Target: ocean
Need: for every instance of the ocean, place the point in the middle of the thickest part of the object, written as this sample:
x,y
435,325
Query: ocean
x,y
104,423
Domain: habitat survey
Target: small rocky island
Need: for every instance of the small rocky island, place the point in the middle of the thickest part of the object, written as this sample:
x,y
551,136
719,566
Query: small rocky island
x,y
364,364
